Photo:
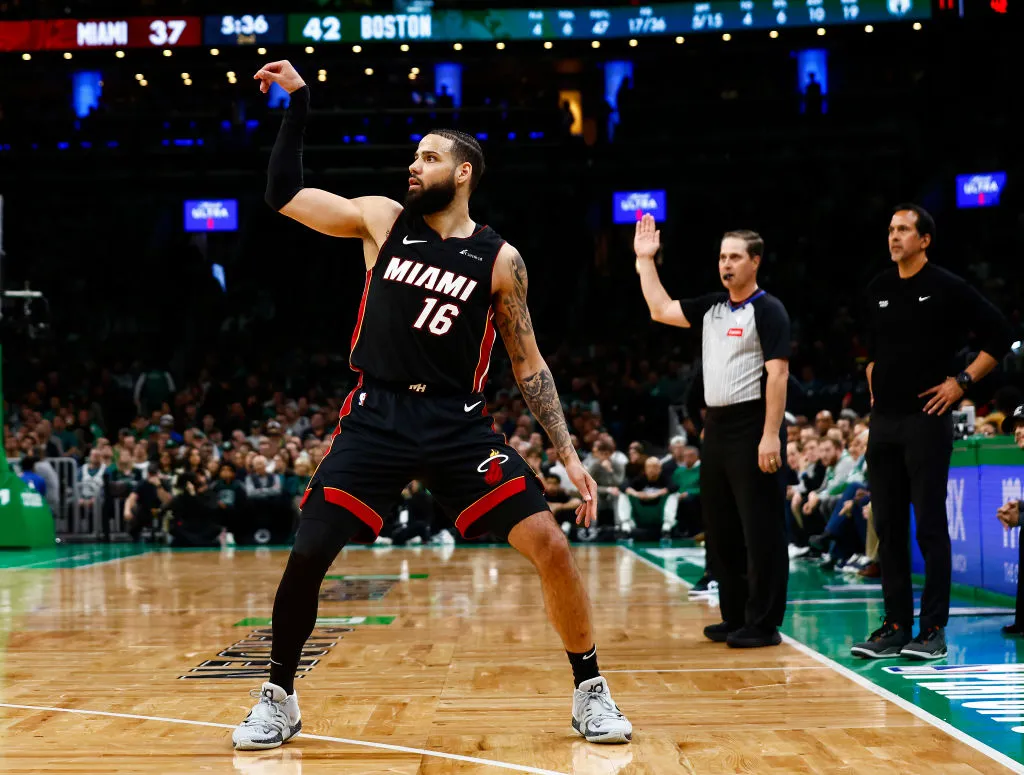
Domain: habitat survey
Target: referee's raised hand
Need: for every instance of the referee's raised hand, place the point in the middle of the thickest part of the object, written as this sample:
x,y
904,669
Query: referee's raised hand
x,y
647,241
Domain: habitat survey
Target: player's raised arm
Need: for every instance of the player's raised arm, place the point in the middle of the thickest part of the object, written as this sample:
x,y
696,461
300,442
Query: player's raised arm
x,y
367,217
646,244
512,317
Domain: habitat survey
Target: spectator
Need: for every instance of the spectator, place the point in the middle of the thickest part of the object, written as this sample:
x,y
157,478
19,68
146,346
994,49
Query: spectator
x,y
143,505
651,511
838,467
30,477
686,480
45,469
674,458
317,428
1010,513
637,461
562,504
294,423
90,479
140,459
823,422
152,389
228,493
609,478
261,485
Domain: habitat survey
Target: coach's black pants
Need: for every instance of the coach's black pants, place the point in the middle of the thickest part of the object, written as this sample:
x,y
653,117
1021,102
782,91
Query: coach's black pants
x,y
744,510
908,462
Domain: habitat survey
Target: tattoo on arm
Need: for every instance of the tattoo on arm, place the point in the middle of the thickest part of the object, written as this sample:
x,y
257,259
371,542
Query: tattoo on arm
x,y
515,323
542,398
538,388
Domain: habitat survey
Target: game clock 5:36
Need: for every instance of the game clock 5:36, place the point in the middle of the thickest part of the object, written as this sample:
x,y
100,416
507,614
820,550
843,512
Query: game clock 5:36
x,y
244,29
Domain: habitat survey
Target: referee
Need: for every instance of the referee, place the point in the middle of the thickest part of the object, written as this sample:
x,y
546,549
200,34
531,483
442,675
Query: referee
x,y
918,317
745,353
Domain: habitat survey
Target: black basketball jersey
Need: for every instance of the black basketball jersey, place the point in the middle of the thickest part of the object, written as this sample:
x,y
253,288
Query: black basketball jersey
x,y
426,316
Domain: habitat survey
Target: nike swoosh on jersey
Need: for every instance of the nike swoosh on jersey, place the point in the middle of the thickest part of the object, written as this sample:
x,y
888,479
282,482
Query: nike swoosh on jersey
x,y
923,298
407,241
471,408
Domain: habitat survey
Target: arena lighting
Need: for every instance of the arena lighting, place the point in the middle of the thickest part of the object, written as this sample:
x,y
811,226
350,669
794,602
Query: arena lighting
x,y
214,52
322,77
457,47
500,45
773,34
412,76
309,49
404,47
632,42
67,55
231,73
869,29
119,54
548,44
595,44
415,71
821,31
368,71
356,48
185,76
187,82
167,52
727,37
917,26
680,39
26,57
139,76
143,82
261,51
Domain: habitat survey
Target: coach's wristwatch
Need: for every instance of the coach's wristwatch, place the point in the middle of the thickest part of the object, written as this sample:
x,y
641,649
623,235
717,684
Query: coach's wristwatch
x,y
964,380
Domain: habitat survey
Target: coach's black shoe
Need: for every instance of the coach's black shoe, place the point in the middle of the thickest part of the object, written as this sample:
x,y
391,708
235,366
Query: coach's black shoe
x,y
884,643
929,644
820,542
753,638
719,633
1013,629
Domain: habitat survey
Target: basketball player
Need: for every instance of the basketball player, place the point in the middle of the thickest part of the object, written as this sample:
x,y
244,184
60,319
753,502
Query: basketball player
x,y
437,284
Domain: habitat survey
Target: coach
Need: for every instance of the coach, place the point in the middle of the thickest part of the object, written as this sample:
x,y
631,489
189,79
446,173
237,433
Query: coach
x,y
918,317
745,352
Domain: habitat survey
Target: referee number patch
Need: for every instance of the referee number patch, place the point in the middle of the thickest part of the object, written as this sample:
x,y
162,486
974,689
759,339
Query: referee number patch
x,y
735,332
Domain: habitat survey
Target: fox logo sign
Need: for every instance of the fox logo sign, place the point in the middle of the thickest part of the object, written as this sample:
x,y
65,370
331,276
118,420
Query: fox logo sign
x,y
955,510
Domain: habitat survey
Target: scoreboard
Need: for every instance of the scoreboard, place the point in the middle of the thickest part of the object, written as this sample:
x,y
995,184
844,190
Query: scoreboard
x,y
629,21
130,32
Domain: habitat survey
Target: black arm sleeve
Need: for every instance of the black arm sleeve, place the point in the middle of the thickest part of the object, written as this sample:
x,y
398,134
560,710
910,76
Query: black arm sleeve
x,y
995,336
284,174
774,329
694,309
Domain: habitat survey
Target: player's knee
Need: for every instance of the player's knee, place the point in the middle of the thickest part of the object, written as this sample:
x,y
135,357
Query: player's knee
x,y
548,547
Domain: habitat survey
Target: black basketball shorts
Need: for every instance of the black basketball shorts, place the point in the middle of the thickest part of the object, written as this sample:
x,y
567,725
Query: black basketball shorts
x,y
386,438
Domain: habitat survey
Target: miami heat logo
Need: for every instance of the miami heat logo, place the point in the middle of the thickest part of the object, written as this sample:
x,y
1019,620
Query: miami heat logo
x,y
491,467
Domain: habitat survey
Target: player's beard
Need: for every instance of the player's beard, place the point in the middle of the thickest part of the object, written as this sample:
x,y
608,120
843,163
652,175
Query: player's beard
x,y
427,200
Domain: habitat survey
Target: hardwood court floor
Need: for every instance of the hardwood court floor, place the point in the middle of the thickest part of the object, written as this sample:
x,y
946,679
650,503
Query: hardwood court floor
x,y
468,667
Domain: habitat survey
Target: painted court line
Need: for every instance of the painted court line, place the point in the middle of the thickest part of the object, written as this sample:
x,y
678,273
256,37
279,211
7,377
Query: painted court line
x,y
863,682
922,714
722,669
668,574
363,743
54,561
113,560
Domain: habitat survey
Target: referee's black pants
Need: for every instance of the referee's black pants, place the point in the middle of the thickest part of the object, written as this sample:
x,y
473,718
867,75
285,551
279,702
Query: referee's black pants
x,y
745,514
908,462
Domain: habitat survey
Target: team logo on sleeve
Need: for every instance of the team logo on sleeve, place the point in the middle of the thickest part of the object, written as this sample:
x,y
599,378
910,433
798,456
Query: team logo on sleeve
x,y
491,467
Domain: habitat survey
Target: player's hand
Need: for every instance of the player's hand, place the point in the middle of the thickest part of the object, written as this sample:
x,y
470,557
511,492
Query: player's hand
x,y
647,241
769,454
1009,514
586,512
945,395
281,73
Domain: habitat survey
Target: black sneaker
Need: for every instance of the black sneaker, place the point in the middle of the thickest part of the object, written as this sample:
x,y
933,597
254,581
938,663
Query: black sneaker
x,y
1013,629
702,584
820,542
884,643
719,633
929,644
753,638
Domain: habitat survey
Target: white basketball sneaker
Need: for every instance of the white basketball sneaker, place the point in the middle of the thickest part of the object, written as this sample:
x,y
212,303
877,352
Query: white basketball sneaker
x,y
595,715
274,720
